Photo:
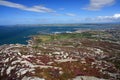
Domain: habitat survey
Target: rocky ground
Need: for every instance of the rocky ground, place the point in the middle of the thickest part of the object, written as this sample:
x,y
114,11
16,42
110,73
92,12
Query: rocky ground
x,y
68,59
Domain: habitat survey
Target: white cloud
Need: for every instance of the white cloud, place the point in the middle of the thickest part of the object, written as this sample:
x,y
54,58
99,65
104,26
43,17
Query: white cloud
x,y
102,19
70,14
114,17
98,4
37,8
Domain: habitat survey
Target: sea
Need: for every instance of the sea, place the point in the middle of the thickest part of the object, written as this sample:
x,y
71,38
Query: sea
x,y
21,34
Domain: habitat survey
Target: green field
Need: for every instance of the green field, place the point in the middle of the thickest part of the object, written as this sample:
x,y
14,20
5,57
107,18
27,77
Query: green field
x,y
63,36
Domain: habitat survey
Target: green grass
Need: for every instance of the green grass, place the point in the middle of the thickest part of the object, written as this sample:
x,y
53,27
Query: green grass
x,y
63,36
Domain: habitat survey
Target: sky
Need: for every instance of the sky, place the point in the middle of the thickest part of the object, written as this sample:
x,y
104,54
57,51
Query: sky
x,y
58,11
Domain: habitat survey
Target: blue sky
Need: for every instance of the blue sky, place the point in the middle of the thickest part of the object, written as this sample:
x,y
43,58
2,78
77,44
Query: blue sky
x,y
58,11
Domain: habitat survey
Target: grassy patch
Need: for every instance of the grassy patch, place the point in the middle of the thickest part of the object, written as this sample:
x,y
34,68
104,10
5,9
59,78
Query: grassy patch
x,y
63,36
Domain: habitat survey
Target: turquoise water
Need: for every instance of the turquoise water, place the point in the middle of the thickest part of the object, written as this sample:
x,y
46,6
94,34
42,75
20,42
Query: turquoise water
x,y
11,35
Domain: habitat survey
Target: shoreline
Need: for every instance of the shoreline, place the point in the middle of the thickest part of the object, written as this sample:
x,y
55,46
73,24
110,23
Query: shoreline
x,y
75,31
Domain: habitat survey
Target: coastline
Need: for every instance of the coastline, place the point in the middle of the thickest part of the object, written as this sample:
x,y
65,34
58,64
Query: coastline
x,y
12,34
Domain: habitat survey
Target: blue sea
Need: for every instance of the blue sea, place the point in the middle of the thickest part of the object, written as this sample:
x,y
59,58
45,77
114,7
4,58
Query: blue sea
x,y
15,34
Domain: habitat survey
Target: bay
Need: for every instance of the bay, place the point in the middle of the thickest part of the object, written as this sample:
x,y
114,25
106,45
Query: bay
x,y
13,34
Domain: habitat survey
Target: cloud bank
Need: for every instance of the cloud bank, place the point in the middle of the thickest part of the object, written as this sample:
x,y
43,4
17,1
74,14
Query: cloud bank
x,y
98,4
99,19
37,8
115,17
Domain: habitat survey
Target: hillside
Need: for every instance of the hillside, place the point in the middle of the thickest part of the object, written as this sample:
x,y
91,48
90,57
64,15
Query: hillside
x,y
66,56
